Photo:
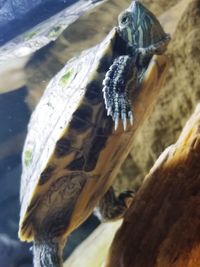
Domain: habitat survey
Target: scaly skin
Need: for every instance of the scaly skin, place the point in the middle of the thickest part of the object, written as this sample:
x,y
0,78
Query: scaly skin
x,y
144,37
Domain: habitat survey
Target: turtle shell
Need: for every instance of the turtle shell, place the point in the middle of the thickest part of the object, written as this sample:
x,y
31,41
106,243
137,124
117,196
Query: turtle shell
x,y
70,143
72,153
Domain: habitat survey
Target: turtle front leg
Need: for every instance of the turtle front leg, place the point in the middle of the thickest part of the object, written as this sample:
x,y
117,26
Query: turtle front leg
x,y
157,48
115,89
111,207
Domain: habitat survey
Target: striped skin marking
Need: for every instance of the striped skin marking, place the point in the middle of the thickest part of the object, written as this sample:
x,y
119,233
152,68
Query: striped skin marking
x,y
147,33
144,37
143,24
126,27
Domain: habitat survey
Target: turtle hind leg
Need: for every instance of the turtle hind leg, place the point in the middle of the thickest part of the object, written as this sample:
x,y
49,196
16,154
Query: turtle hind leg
x,y
111,207
47,252
115,89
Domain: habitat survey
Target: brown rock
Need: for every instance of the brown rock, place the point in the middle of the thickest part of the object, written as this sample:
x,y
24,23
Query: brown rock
x,y
161,228
159,6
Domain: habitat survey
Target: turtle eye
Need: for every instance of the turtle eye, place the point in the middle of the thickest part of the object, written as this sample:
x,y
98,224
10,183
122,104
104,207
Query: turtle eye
x,y
124,18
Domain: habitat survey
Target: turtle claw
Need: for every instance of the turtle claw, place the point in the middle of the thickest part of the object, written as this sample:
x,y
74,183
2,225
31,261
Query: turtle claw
x,y
125,118
109,111
116,122
121,109
130,115
124,121
118,107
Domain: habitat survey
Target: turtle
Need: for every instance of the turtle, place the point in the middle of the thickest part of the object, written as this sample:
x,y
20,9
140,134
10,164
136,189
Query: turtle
x,y
74,144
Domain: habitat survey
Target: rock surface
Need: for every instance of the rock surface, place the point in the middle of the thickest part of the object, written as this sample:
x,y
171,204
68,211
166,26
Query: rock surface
x,y
158,7
161,227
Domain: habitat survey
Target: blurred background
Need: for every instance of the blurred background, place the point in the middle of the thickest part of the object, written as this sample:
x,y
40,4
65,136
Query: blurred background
x,y
36,40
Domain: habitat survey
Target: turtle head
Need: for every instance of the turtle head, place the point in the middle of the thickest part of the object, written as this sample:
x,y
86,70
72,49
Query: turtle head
x,y
139,27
